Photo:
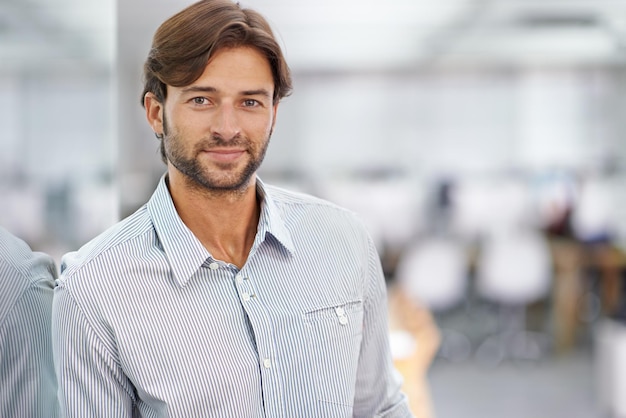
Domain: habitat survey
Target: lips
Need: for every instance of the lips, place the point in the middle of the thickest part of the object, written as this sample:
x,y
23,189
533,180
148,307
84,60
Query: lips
x,y
224,155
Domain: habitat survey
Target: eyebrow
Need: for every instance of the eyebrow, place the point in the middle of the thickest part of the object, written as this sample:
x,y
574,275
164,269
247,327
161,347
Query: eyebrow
x,y
209,89
198,89
259,92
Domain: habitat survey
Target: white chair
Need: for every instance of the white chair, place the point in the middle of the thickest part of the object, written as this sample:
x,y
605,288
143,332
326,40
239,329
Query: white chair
x,y
514,270
433,273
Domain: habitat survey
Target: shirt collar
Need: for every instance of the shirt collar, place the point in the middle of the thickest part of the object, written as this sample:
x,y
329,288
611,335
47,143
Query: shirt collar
x,y
272,219
185,253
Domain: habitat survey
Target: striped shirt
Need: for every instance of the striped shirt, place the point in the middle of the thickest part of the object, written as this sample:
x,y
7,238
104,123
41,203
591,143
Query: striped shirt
x,y
147,323
27,383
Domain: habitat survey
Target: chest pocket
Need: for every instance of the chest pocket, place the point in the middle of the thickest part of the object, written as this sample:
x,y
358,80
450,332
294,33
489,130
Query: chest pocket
x,y
334,344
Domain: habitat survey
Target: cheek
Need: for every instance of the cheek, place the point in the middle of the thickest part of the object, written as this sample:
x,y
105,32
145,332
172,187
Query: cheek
x,y
257,129
185,125
268,126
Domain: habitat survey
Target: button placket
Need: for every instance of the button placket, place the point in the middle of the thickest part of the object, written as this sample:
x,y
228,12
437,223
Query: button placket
x,y
262,328
244,287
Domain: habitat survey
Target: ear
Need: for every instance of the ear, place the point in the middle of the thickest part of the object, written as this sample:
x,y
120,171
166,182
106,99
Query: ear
x,y
154,112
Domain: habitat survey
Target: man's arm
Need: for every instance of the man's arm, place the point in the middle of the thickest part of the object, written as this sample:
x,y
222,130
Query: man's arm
x,y
91,381
26,368
378,385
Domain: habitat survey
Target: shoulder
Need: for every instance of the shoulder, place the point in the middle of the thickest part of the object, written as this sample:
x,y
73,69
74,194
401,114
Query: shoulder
x,y
314,216
293,201
19,262
112,246
22,270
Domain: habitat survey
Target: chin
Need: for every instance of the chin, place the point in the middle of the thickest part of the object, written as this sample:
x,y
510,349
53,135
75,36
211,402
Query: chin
x,y
225,184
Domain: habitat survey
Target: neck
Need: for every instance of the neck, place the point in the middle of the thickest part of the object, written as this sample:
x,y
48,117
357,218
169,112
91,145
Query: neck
x,y
225,222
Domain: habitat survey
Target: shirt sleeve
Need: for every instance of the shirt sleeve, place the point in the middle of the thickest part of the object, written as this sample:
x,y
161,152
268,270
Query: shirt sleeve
x,y
26,367
378,386
91,380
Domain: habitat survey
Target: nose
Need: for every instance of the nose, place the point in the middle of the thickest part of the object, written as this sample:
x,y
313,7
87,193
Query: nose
x,y
225,124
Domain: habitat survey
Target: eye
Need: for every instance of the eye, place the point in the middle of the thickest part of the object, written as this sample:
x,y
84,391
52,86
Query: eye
x,y
200,101
250,103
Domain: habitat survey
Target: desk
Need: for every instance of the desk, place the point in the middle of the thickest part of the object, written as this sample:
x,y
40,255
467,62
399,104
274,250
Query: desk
x,y
572,260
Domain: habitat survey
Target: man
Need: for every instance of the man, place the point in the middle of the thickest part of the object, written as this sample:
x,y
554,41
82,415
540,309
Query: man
x,y
223,296
26,368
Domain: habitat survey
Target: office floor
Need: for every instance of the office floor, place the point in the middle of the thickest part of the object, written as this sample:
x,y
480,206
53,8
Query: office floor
x,y
560,387
547,386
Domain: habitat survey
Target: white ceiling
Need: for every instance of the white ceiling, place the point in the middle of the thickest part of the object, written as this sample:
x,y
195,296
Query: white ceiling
x,y
333,34
39,34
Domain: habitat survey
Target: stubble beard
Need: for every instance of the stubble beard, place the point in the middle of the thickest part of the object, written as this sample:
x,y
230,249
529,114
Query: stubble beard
x,y
225,180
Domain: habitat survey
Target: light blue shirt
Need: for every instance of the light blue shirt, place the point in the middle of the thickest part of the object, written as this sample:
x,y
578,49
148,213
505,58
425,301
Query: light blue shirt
x,y
27,382
147,323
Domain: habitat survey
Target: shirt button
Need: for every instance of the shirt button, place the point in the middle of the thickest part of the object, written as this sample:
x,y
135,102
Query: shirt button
x,y
343,320
267,363
340,311
214,266
246,296
239,278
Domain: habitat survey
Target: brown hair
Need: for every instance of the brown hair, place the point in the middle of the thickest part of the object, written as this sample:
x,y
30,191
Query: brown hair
x,y
184,43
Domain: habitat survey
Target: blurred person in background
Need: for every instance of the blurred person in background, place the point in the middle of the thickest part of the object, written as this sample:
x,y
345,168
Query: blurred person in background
x,y
223,296
26,367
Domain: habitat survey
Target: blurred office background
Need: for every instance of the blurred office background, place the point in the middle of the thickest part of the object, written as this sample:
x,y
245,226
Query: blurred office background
x,y
482,141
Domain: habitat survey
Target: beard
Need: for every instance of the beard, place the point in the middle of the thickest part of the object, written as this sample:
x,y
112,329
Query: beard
x,y
224,178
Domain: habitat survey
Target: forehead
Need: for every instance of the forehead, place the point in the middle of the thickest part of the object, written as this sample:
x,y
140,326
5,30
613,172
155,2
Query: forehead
x,y
236,66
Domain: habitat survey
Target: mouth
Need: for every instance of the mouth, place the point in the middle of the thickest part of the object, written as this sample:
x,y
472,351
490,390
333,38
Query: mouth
x,y
224,155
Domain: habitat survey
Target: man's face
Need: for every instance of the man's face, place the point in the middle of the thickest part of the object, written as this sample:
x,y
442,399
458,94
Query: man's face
x,y
216,130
